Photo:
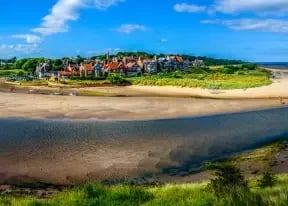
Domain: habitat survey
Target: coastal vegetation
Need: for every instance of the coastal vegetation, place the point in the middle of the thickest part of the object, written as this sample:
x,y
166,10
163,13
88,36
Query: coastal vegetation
x,y
249,193
224,77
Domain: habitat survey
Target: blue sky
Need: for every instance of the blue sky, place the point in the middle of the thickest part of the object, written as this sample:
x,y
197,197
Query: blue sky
x,y
253,30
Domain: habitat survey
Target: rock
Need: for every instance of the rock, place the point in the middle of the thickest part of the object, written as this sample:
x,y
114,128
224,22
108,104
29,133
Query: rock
x,y
40,194
5,187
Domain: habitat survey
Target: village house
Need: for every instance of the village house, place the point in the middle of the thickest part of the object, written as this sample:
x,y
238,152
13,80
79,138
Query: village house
x,y
114,67
133,68
198,63
70,69
98,69
151,65
43,71
86,69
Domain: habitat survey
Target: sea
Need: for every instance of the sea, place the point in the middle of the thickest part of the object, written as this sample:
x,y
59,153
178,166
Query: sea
x,y
276,65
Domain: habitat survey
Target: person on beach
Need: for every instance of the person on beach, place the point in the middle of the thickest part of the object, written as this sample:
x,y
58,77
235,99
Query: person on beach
x,y
281,100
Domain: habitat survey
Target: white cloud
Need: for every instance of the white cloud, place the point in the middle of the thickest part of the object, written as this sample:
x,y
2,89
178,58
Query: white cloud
x,y
68,10
104,4
272,7
18,48
97,52
190,8
164,40
129,28
29,38
266,25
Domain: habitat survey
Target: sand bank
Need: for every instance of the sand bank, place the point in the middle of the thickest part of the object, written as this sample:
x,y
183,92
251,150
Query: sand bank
x,y
13,105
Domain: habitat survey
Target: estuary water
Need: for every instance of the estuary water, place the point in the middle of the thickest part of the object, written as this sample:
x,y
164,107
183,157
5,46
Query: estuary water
x,y
72,151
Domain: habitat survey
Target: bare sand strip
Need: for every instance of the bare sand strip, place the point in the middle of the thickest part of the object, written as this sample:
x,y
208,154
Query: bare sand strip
x,y
15,105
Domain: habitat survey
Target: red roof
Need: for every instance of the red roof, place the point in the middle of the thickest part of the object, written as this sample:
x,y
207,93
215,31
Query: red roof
x,y
67,73
179,59
113,66
88,67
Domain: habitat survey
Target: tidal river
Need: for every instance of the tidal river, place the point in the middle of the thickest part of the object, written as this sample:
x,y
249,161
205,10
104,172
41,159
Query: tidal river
x,y
71,151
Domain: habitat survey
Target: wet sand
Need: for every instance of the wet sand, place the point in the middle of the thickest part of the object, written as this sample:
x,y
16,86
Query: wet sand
x,y
76,151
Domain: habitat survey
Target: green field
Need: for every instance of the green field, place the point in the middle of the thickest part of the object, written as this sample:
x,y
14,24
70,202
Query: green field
x,y
5,73
209,79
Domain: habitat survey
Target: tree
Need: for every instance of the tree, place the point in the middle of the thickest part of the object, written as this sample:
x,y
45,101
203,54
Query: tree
x,y
228,177
269,179
30,65
56,64
19,63
79,59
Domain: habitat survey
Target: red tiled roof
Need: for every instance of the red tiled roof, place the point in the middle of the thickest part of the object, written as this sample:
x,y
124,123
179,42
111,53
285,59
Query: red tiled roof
x,y
130,64
112,66
179,59
88,67
67,73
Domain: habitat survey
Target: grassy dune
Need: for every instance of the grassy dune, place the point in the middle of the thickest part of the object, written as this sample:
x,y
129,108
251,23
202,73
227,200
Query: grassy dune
x,y
207,80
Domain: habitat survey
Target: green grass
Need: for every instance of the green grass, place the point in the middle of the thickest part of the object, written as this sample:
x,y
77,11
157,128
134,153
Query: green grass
x,y
34,83
258,160
210,79
185,194
4,73
84,82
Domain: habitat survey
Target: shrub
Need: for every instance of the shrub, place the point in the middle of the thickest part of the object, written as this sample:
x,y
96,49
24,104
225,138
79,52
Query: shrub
x,y
228,179
94,191
227,70
86,78
269,179
115,79
249,66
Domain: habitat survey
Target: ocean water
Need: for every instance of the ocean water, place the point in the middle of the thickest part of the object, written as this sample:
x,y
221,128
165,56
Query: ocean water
x,y
69,152
278,65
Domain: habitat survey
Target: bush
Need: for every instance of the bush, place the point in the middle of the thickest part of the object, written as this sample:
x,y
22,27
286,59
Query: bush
x,y
228,179
94,191
269,179
115,79
249,66
87,78
230,186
